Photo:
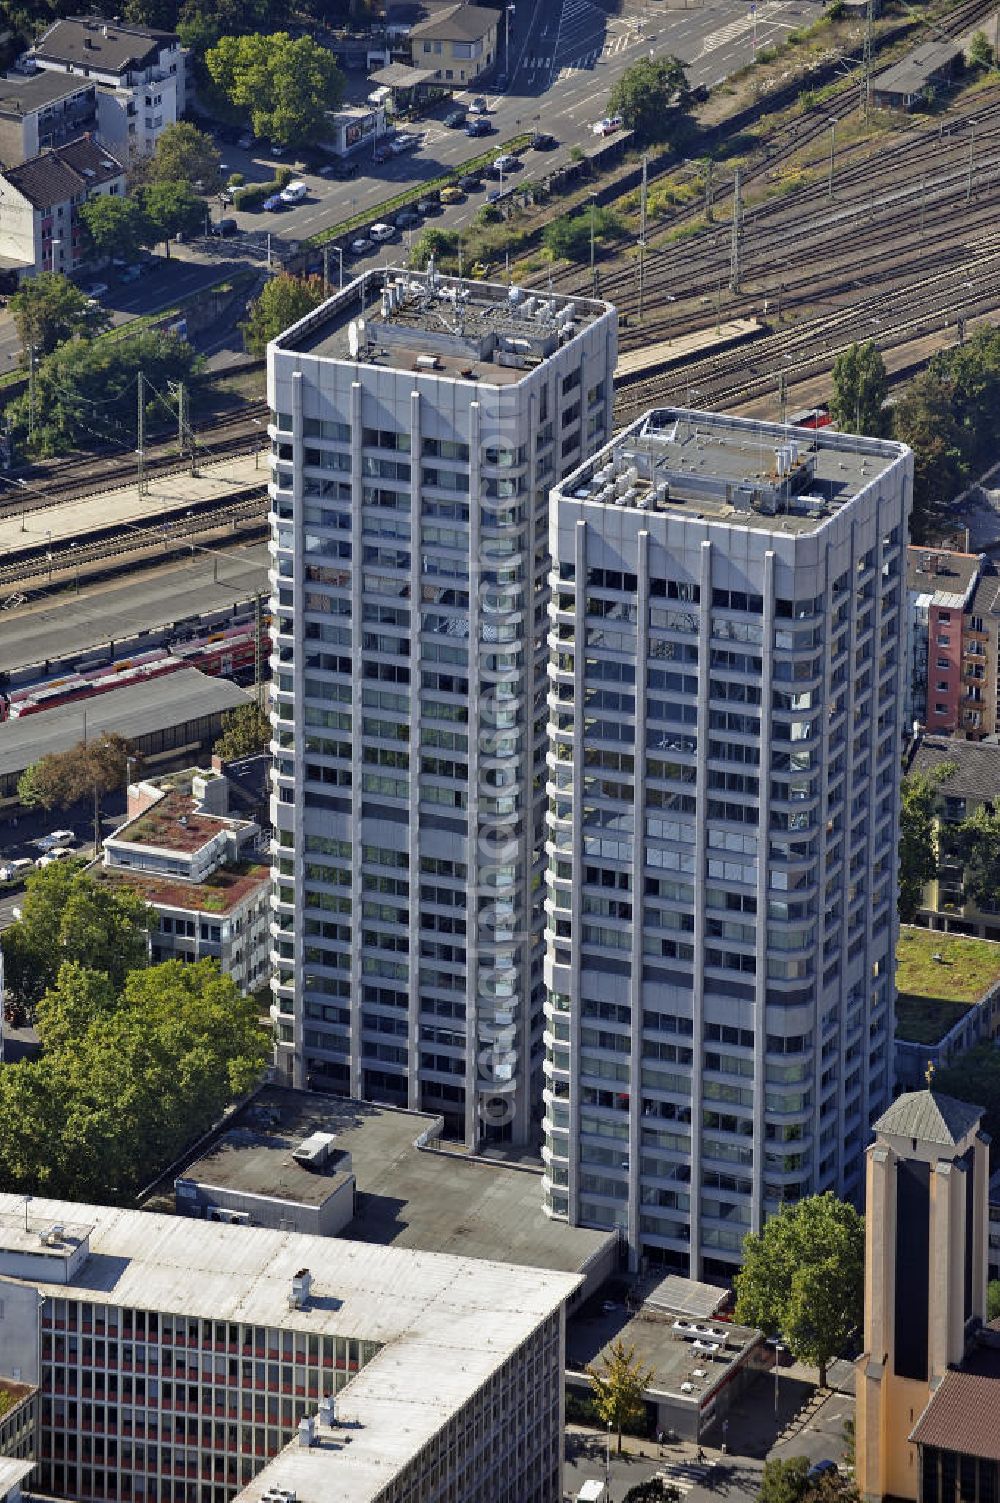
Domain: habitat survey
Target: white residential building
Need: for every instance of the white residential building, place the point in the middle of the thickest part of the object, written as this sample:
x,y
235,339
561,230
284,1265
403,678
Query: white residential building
x,y
139,73
200,870
727,681
43,110
418,422
181,1361
40,228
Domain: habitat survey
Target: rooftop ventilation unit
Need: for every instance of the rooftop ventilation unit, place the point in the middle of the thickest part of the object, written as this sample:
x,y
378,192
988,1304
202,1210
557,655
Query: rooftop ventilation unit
x,y
326,1412
307,1431
687,1388
298,1295
313,1152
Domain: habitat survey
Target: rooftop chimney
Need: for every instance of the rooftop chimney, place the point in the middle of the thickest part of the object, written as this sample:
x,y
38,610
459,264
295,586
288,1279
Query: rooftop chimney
x,y
306,1431
298,1297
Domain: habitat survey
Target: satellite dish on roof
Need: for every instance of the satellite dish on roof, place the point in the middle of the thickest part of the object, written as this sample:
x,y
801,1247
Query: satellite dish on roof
x,y
353,342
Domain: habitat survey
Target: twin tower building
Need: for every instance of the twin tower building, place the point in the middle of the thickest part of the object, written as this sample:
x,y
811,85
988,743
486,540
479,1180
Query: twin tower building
x,y
586,770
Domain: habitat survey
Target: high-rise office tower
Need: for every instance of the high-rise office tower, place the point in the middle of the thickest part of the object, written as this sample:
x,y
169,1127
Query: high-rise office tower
x,y
728,646
418,424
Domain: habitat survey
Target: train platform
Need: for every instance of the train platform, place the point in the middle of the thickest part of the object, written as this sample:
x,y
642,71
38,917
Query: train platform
x,y
103,511
668,352
134,612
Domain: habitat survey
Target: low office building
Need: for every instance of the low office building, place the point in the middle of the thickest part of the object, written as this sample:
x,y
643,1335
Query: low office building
x,y
43,110
200,870
246,1179
699,1361
170,720
459,43
184,1360
412,1192
40,228
139,73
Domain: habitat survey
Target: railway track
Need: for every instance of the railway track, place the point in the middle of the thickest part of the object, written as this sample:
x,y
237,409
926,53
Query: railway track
x,y
229,435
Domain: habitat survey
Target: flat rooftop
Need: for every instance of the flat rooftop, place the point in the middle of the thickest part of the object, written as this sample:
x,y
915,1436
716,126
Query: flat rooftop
x,y
444,1325
175,822
441,325
706,466
23,92
135,711
664,1341
934,994
219,894
254,1164
432,1200
941,574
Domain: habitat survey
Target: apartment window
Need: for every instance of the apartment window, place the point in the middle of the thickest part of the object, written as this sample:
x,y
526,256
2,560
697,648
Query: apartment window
x,y
940,709
944,640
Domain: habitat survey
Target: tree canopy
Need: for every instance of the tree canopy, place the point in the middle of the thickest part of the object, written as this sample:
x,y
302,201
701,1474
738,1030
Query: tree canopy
x,y
115,226
918,860
286,85
126,1078
282,301
619,1384
860,387
49,309
184,154
975,844
172,207
69,916
652,97
62,778
803,1276
568,236
86,390
783,1480
245,732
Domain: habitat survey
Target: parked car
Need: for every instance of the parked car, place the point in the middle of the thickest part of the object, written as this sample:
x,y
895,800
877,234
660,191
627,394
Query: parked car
x,y
820,1469
245,142
543,141
478,106
607,126
54,838
276,150
427,206
274,204
360,246
406,219
506,162
471,182
294,193
224,227
405,141
454,118
479,127
57,853
381,231
13,869
451,194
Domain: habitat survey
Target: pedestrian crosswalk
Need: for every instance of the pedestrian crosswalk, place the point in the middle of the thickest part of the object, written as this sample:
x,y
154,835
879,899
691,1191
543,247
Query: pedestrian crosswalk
x,y
744,24
685,1475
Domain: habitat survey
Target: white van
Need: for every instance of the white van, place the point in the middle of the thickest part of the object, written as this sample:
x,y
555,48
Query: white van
x,y
294,193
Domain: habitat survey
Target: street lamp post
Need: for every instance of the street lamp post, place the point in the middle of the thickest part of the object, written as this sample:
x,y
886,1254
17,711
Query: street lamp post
x,y
607,1467
777,1365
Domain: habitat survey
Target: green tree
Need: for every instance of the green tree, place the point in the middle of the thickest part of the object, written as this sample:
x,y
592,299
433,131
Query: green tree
x,y
860,387
970,375
49,309
918,860
981,54
172,207
185,154
993,1300
975,844
569,236
924,418
784,1481
287,86
245,732
619,1384
115,226
653,98
126,1078
283,300
803,1275
67,916
654,1490
89,387
89,769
